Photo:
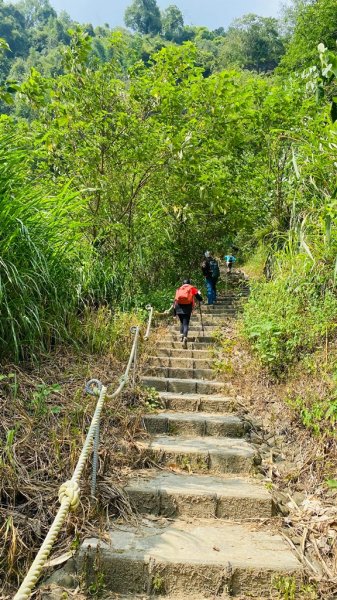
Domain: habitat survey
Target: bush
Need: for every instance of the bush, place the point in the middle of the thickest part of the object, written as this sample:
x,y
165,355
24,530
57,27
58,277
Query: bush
x,y
291,315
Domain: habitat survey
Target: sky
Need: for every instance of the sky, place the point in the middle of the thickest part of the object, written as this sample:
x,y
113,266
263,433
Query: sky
x,y
211,13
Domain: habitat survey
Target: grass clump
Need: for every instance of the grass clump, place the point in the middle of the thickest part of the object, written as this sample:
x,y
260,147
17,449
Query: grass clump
x,y
40,259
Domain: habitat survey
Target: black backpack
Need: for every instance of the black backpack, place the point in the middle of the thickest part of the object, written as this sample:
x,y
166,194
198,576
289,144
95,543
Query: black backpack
x,y
205,267
214,267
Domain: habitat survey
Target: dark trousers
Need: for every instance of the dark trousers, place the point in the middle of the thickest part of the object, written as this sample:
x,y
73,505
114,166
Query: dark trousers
x,y
184,324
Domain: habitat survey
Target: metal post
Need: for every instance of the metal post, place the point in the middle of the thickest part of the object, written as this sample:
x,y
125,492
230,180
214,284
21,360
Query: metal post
x,y
134,369
134,331
147,333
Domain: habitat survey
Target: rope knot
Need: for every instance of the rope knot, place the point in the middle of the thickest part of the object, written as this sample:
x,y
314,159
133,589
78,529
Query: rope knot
x,y
70,489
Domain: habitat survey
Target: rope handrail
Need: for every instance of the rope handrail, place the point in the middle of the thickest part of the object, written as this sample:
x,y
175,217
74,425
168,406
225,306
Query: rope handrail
x,y
69,492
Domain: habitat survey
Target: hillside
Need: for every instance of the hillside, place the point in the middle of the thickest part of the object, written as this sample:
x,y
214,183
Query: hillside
x,y
125,154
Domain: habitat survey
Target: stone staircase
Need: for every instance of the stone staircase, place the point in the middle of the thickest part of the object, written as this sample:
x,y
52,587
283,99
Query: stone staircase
x,y
201,531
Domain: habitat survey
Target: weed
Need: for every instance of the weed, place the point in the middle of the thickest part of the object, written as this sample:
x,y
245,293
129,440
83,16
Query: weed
x,y
222,366
289,589
185,463
317,414
152,400
97,587
172,428
10,439
94,575
38,403
158,584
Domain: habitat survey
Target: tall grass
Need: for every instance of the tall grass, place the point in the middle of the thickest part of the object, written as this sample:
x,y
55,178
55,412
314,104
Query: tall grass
x,y
41,257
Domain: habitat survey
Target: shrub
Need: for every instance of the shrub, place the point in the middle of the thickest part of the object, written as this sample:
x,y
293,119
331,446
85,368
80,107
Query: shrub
x,y
291,315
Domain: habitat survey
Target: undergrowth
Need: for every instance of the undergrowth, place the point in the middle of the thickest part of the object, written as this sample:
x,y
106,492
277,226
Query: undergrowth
x,y
292,315
45,417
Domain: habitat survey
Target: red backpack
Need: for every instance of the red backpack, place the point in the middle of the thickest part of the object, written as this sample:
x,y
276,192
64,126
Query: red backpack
x,y
184,294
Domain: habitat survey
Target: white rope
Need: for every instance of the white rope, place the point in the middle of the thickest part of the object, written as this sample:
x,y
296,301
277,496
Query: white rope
x,y
69,497
69,492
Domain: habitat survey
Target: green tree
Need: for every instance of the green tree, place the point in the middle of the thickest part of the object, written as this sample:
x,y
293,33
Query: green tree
x,y
253,43
172,23
316,22
143,16
36,12
13,29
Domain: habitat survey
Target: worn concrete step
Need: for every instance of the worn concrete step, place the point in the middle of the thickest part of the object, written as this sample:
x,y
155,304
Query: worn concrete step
x,y
195,342
196,424
180,352
185,386
204,557
201,454
230,296
195,331
179,362
198,496
199,402
113,596
211,320
196,328
180,372
217,310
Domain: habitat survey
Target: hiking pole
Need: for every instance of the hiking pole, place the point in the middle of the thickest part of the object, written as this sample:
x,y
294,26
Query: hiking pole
x,y
202,324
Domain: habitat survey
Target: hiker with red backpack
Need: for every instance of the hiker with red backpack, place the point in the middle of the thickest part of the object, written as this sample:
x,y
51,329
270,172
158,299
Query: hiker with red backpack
x,y
184,302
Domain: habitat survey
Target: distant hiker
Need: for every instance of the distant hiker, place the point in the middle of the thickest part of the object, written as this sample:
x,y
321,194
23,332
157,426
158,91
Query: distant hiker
x,y
183,306
230,260
211,271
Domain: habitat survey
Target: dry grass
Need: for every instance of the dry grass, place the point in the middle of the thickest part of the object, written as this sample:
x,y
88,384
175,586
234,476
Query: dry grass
x,y
42,429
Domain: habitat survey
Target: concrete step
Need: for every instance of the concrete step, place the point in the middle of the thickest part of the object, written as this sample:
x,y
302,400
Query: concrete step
x,y
198,496
195,342
195,331
198,402
195,424
221,310
144,596
180,352
217,310
201,454
180,373
196,328
204,557
211,320
179,362
184,386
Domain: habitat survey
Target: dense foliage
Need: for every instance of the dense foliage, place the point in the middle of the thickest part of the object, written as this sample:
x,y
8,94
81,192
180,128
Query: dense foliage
x,y
122,162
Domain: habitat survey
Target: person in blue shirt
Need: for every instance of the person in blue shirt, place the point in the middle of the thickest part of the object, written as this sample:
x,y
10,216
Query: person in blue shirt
x,y
230,260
